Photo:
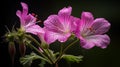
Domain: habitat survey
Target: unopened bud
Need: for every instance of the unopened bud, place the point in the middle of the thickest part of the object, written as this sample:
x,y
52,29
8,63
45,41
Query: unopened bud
x,y
22,49
40,49
12,51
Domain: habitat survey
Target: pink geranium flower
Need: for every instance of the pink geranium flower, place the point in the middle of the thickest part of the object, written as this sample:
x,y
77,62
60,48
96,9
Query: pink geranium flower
x,y
91,32
28,21
59,27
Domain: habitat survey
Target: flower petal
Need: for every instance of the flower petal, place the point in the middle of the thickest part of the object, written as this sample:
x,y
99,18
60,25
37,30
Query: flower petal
x,y
77,27
100,26
51,37
53,24
66,11
95,40
34,29
29,19
25,8
86,21
68,22
23,14
64,37
19,14
87,16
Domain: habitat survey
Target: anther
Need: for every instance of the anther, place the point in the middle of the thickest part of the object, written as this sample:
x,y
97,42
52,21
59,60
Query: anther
x,y
36,16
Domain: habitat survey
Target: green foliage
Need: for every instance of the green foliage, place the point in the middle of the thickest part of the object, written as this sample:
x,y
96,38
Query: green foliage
x,y
42,63
51,54
72,58
27,60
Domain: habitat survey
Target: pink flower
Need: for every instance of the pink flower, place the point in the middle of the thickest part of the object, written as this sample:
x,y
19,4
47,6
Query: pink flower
x,y
59,27
91,32
28,21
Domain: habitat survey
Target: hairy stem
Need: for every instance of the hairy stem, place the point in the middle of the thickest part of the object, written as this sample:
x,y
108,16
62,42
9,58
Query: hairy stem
x,y
38,44
32,47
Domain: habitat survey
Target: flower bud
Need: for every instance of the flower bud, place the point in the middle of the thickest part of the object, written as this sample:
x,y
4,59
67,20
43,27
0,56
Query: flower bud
x,y
40,49
12,51
22,49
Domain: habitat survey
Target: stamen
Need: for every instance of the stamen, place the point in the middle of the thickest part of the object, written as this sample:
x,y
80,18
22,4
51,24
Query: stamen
x,y
33,14
36,16
91,29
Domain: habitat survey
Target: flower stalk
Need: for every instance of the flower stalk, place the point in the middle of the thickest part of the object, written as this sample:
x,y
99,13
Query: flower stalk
x,y
32,47
38,44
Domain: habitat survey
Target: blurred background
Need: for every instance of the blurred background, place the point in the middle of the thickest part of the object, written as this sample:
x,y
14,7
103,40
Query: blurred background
x,y
96,57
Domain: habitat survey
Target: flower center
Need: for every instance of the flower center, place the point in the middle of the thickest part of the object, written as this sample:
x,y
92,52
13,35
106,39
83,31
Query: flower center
x,y
89,31
66,31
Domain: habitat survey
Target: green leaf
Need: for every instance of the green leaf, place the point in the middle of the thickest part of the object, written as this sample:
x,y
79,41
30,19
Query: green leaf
x,y
72,58
27,60
42,63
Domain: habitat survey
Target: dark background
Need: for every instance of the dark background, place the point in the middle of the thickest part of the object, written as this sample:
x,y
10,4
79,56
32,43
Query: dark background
x,y
96,57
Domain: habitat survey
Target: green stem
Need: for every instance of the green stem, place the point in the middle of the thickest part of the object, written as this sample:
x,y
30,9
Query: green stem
x,y
33,39
50,54
70,45
61,49
31,46
61,53
38,44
